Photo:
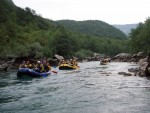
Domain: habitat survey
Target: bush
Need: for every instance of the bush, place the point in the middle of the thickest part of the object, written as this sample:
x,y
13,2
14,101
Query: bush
x,y
83,53
35,50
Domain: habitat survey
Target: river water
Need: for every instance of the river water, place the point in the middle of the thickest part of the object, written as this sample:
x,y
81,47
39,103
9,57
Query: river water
x,y
91,89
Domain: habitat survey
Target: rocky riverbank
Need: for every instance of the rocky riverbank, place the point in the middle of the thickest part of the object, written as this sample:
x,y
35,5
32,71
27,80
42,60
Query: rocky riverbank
x,y
140,59
4,64
126,57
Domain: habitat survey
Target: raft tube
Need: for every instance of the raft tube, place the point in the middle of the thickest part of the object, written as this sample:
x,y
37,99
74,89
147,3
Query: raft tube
x,y
67,67
103,63
22,72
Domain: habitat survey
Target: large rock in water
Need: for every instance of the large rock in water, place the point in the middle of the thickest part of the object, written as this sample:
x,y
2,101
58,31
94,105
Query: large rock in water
x,y
147,70
144,69
137,57
142,66
4,66
59,57
122,57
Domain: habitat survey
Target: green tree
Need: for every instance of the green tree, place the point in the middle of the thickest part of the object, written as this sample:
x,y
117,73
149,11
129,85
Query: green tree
x,y
62,43
140,37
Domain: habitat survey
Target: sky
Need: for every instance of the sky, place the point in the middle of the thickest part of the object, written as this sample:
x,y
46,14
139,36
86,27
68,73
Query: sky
x,y
109,11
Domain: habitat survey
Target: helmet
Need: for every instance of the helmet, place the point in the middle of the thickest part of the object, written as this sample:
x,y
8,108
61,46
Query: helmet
x,y
38,62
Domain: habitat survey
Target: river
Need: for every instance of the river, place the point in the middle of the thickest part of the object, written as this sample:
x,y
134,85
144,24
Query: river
x,y
94,88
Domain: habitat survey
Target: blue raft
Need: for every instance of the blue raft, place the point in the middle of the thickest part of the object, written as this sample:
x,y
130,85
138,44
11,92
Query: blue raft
x,y
22,72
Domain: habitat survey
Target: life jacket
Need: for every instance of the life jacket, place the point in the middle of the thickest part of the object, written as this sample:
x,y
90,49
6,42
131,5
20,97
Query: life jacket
x,y
40,67
43,70
23,66
47,68
29,66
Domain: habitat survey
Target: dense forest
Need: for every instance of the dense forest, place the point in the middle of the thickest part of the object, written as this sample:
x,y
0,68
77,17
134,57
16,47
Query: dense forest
x,y
93,27
140,37
23,33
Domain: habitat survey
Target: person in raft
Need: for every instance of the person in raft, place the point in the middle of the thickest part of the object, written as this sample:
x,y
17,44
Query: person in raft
x,y
23,65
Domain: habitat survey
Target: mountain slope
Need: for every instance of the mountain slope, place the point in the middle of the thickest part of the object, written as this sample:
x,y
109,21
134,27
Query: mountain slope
x,y
126,28
93,27
23,33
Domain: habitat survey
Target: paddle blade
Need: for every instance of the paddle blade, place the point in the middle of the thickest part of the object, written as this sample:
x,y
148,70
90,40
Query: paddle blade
x,y
54,71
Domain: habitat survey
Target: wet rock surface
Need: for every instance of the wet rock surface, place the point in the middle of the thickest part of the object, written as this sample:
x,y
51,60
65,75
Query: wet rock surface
x,y
125,73
5,64
133,70
122,57
144,67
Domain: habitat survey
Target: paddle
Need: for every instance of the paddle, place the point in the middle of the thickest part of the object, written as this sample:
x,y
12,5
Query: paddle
x,y
54,71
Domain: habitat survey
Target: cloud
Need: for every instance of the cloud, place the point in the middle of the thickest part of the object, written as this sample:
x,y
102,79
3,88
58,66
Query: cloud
x,y
110,11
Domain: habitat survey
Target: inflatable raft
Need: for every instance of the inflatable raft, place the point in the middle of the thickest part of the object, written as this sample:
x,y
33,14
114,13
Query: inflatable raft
x,y
103,63
23,72
67,67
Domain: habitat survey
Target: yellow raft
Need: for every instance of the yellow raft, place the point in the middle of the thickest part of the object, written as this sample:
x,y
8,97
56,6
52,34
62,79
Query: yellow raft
x,y
67,67
104,62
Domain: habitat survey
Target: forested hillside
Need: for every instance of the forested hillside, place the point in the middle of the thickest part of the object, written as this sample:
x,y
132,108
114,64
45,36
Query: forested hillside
x,y
93,27
23,33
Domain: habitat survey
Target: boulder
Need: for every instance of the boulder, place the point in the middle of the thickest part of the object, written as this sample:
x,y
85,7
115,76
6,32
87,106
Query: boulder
x,y
4,66
122,57
140,54
133,70
144,67
143,63
137,57
147,70
58,57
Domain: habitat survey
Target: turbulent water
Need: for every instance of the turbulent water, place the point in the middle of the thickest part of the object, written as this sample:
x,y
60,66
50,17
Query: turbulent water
x,y
91,89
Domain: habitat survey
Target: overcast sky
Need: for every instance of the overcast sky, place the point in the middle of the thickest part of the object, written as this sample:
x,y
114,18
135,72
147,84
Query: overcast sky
x,y
110,11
